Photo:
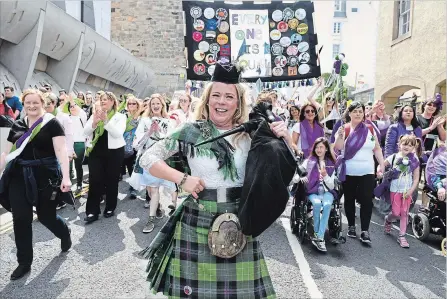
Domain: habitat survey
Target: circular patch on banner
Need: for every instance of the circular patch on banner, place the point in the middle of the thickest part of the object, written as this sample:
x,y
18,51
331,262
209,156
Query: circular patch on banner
x,y
199,69
272,25
296,38
293,60
208,13
303,69
221,14
302,28
214,48
210,59
204,46
275,34
277,71
199,25
280,61
282,26
210,34
285,41
304,57
211,24
224,27
300,14
288,13
197,36
222,39
211,70
303,47
277,15
224,60
199,55
277,49
293,24
196,12
292,50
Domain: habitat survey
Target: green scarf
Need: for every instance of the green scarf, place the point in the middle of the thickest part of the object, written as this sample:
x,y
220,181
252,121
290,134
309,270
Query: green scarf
x,y
221,150
66,107
99,131
129,125
55,111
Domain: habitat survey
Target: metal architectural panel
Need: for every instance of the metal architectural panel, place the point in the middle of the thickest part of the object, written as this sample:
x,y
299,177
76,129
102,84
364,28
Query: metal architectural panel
x,y
39,79
17,18
8,79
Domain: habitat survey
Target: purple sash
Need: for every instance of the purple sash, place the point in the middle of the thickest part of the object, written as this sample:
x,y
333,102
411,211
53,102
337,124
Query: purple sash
x,y
308,135
353,144
28,133
314,173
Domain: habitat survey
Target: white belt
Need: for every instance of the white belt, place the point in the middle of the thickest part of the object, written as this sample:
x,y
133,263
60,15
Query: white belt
x,y
431,136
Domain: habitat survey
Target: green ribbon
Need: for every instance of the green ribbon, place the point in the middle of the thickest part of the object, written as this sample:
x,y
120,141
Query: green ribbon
x,y
129,126
99,131
55,111
35,131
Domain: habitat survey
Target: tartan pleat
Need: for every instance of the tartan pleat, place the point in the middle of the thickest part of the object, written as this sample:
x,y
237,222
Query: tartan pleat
x,y
181,265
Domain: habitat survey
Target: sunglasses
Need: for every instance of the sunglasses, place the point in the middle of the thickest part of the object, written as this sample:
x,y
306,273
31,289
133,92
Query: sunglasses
x,y
184,101
309,111
431,104
71,107
128,104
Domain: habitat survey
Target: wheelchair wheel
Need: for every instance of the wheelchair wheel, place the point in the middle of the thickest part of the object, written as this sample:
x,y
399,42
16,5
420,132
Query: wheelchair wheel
x,y
420,226
444,246
294,220
302,224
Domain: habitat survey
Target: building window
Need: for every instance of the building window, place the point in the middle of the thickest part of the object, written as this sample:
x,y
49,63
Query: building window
x,y
404,16
354,9
337,5
337,27
335,50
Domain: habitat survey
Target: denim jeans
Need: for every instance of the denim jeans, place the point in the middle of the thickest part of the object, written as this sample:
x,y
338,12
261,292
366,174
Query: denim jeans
x,y
320,222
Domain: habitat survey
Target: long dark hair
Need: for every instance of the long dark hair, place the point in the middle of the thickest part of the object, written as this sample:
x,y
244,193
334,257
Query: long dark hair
x,y
328,154
303,111
431,100
290,111
414,121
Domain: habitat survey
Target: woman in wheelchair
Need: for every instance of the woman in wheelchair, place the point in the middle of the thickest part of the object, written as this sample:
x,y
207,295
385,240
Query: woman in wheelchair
x,y
320,183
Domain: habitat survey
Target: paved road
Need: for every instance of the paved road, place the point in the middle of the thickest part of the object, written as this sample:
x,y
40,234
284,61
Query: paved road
x,y
103,262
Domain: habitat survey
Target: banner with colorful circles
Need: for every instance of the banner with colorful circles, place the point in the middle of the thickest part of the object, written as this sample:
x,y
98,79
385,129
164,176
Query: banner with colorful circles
x,y
275,41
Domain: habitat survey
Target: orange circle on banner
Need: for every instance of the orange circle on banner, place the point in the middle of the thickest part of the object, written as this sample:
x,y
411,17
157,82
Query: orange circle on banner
x,y
222,39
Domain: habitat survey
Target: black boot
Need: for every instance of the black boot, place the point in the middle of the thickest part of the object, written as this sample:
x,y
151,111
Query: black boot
x,y
20,271
66,242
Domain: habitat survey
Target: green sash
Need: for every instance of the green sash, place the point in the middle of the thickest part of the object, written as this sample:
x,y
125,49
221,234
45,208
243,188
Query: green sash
x,y
98,132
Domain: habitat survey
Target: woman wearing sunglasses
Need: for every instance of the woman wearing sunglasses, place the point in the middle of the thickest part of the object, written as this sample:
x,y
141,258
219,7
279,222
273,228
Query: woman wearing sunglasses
x,y
432,125
307,130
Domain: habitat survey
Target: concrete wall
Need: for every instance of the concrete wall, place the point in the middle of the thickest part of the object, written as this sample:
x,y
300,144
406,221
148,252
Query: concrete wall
x,y
418,60
153,31
40,43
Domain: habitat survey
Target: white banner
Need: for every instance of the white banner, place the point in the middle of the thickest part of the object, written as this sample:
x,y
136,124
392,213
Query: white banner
x,y
250,41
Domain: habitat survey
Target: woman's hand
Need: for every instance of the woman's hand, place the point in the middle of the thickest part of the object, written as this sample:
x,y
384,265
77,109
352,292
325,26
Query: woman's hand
x,y
380,171
323,172
279,128
65,185
193,185
341,132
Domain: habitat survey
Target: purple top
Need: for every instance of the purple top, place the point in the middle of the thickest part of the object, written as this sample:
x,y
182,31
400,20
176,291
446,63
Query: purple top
x,y
436,164
314,173
395,131
308,135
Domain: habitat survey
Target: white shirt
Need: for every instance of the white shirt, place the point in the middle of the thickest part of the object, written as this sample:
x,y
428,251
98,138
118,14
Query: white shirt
x,y
67,124
404,182
296,128
115,128
363,162
78,123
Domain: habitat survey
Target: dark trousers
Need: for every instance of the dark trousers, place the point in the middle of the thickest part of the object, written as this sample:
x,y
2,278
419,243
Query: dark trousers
x,y
79,148
104,172
22,215
129,163
359,188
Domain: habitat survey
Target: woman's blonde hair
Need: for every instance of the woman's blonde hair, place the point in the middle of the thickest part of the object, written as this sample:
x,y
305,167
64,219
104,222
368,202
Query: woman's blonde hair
x,y
240,116
265,97
177,105
139,106
110,96
49,98
328,95
32,91
148,112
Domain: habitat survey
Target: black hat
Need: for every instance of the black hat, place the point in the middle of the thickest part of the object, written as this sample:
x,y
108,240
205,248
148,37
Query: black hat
x,y
227,73
398,105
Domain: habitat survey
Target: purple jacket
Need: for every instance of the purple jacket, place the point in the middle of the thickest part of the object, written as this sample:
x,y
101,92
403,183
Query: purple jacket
x,y
395,131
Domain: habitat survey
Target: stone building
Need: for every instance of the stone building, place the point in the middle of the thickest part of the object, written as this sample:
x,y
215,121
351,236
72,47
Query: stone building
x,y
411,49
153,31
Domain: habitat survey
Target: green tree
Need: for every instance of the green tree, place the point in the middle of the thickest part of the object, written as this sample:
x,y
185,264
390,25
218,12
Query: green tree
x,y
332,87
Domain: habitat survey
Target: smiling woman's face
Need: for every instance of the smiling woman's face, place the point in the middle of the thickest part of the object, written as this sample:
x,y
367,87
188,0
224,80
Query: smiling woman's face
x,y
33,105
223,103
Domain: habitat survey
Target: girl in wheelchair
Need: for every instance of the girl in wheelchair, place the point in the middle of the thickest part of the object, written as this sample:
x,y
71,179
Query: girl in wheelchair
x,y
320,187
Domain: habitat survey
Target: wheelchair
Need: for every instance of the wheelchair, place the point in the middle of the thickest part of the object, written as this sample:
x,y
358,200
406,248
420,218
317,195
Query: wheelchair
x,y
432,220
301,216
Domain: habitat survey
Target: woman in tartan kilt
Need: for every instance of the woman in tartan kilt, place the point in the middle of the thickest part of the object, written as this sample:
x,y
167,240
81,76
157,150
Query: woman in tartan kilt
x,y
181,263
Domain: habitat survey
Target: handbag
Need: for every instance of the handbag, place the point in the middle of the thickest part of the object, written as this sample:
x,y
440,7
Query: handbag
x,y
225,237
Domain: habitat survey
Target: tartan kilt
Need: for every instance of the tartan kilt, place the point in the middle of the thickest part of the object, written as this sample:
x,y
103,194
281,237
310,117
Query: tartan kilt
x,y
181,265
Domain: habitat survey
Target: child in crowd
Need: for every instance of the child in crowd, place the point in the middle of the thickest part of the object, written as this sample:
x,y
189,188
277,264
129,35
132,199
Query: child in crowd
x,y
404,181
